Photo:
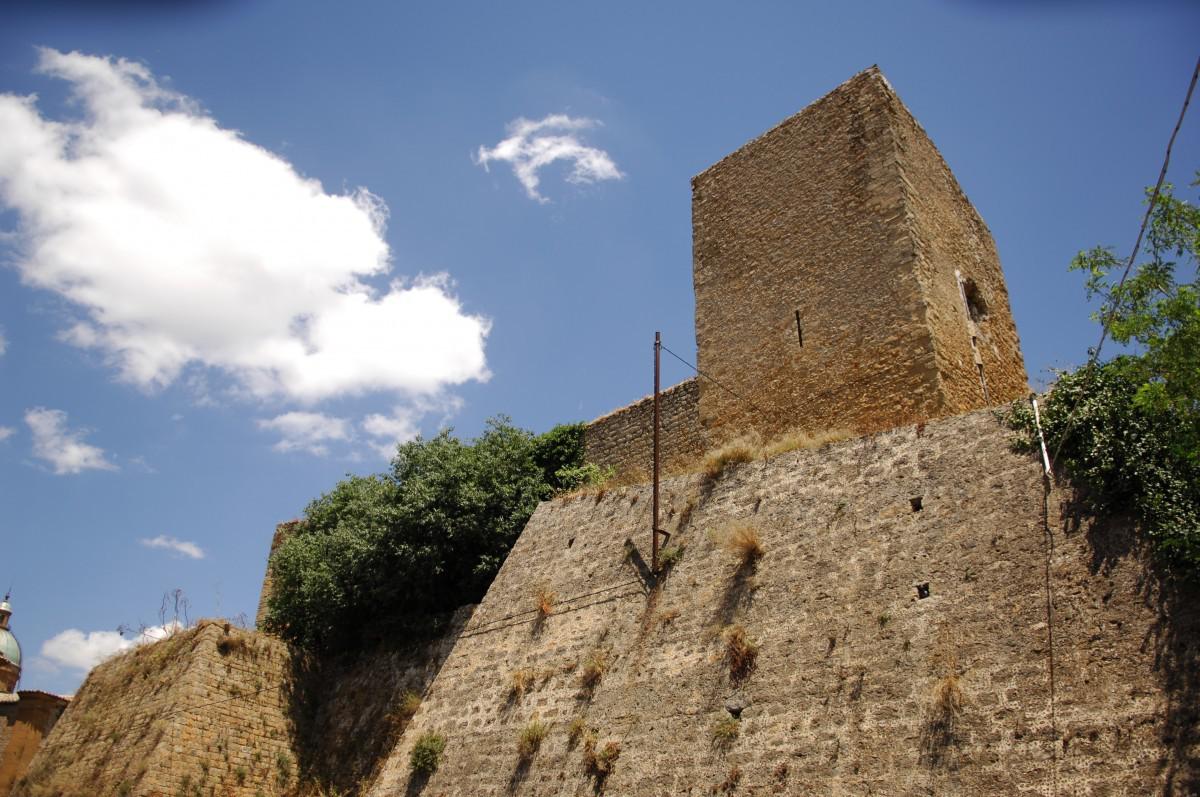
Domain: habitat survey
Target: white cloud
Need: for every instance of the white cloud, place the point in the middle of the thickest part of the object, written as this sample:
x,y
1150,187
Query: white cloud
x,y
3,342
77,650
531,145
180,547
6,432
389,431
61,447
307,431
187,250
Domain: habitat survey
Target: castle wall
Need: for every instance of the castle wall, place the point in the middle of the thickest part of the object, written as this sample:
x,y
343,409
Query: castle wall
x,y
1043,660
24,723
355,711
825,258
810,218
282,532
949,237
624,439
202,712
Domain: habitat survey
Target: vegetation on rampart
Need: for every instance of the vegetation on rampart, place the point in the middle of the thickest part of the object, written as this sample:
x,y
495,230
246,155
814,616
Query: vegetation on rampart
x,y
1128,430
419,540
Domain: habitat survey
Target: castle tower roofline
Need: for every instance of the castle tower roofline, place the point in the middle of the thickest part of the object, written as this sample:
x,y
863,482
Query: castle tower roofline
x,y
873,72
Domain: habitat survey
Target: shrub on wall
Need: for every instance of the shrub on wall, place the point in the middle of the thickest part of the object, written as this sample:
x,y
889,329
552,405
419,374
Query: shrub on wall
x,y
418,541
426,753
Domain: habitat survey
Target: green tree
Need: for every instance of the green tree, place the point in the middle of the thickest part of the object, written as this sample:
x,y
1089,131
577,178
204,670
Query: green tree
x,y
396,549
1129,429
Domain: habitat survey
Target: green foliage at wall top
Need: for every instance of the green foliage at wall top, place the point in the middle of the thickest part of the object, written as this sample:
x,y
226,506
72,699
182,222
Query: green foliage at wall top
x,y
1134,440
398,548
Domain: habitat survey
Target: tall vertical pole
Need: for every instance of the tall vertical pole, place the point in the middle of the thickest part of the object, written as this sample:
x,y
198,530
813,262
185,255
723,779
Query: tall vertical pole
x,y
654,529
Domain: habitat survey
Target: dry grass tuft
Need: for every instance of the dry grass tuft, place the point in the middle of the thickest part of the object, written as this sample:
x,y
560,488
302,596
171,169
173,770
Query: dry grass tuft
x,y
742,540
592,670
575,731
797,440
600,762
743,449
545,601
520,681
530,740
940,737
410,701
741,653
724,732
730,784
232,644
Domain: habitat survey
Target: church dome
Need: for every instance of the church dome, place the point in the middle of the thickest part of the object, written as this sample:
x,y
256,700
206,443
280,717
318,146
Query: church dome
x,y
10,650
9,647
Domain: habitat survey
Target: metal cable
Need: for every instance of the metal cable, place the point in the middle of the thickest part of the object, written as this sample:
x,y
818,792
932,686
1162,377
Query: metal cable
x,y
1162,174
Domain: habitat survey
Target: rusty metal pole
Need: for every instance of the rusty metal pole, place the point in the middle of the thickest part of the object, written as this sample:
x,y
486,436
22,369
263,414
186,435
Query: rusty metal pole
x,y
654,522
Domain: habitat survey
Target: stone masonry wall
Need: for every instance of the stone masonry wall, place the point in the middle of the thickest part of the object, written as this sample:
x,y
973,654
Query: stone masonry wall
x,y
282,532
950,236
810,218
24,723
624,439
824,257
922,628
355,707
201,713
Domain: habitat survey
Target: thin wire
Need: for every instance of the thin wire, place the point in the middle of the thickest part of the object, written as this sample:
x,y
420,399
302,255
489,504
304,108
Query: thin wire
x,y
1112,311
711,379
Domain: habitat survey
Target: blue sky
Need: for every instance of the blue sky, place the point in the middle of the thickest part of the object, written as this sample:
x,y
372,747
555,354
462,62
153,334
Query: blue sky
x,y
198,339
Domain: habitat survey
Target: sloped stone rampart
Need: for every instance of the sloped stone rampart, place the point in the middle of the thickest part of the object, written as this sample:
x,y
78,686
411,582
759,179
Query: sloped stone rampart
x,y
354,709
921,629
204,712
624,438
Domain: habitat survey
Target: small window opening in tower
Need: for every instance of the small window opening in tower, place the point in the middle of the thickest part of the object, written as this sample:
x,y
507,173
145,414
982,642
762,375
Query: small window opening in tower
x,y
977,306
799,329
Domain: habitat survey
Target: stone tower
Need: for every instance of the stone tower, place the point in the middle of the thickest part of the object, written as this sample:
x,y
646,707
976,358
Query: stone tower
x,y
843,279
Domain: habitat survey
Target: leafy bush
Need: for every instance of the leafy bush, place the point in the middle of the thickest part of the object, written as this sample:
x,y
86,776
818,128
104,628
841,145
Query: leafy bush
x,y
427,752
1134,438
420,540
1133,458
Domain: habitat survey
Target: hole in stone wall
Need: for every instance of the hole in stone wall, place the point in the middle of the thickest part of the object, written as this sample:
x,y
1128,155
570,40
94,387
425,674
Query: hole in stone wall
x,y
570,542
976,305
915,503
923,590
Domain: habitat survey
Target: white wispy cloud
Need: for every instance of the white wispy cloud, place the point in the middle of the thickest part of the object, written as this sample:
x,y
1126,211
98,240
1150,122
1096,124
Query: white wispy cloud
x,y
6,432
388,431
180,547
187,251
3,342
385,432
533,145
61,447
77,650
307,431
